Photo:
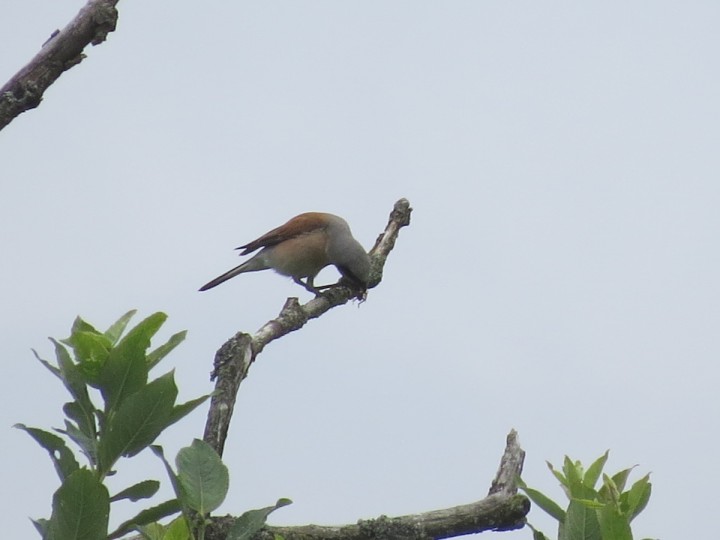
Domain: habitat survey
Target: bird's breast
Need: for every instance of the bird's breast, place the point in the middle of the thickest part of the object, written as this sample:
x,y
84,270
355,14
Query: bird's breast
x,y
302,256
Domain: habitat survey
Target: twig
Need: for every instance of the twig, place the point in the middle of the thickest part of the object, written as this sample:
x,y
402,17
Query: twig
x,y
63,50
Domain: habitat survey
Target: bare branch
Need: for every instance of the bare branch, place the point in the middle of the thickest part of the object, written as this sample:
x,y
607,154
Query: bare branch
x,y
63,50
511,467
233,359
502,510
232,362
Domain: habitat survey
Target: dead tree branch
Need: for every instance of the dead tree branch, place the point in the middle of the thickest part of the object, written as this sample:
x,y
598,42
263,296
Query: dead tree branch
x,y
233,359
502,510
63,50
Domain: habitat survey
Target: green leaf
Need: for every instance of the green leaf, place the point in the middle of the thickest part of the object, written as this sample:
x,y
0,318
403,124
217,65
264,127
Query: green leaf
x,y
88,445
177,530
41,525
152,531
203,476
620,479
252,521
613,525
593,473
123,374
544,502
80,325
150,515
637,497
609,492
138,421
581,523
177,486
118,327
81,421
141,490
81,507
574,474
563,481
126,370
90,348
182,410
154,357
76,383
61,456
55,371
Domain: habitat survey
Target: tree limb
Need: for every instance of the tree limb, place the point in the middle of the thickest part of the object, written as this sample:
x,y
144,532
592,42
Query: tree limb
x,y
63,50
502,510
233,359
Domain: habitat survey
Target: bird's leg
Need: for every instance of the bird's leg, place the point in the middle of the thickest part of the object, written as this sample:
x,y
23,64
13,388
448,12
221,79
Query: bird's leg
x,y
308,285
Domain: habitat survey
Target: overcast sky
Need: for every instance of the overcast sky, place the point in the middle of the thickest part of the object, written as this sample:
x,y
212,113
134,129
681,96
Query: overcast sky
x,y
560,276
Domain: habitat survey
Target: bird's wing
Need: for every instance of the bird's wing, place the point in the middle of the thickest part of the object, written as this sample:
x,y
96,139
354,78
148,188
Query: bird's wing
x,y
302,224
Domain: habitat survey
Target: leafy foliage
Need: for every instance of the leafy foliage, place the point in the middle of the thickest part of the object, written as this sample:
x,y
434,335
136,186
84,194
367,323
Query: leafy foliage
x,y
133,413
592,514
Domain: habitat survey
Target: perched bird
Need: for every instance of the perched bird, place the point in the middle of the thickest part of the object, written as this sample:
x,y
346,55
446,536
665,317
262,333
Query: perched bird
x,y
301,248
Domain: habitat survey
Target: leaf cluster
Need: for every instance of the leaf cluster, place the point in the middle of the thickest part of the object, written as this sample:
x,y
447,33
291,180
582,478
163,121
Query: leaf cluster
x,y
134,411
603,513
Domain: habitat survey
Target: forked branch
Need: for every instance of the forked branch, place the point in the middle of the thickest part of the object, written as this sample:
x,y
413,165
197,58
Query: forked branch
x,y
233,359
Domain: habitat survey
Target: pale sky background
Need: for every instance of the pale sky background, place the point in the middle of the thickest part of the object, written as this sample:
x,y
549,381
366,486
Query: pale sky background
x,y
560,276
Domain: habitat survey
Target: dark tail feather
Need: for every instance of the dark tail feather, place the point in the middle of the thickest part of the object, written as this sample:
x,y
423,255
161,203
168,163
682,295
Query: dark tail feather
x,y
221,279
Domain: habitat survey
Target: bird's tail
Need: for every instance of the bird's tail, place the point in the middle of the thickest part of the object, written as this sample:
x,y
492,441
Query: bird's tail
x,y
252,265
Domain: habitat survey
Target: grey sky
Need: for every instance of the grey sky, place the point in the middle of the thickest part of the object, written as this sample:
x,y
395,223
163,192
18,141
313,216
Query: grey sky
x,y
560,275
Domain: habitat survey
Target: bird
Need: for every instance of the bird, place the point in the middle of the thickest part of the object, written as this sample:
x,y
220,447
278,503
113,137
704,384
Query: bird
x,y
301,248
